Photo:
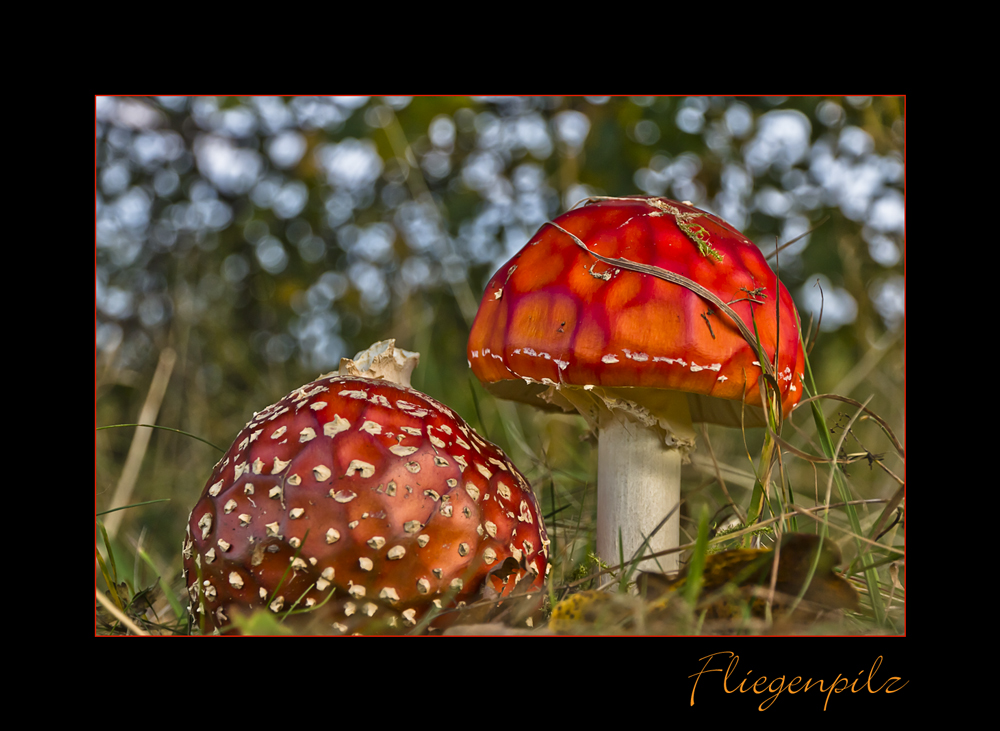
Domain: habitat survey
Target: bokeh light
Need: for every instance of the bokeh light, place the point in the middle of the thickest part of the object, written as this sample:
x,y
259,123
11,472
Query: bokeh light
x,y
292,188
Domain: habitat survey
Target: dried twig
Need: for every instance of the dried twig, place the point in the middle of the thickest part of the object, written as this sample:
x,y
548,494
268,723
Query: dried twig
x,y
675,278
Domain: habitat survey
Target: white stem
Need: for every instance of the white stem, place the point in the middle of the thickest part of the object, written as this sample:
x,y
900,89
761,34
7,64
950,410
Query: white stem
x,y
638,483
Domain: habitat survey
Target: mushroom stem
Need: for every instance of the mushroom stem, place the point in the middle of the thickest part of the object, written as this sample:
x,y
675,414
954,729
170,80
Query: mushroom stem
x,y
638,483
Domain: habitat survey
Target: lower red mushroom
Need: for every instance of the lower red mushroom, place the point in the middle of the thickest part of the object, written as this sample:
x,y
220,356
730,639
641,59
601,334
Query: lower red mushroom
x,y
365,504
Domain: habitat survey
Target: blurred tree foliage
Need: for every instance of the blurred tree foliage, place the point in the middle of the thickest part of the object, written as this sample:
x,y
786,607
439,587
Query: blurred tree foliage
x,y
264,238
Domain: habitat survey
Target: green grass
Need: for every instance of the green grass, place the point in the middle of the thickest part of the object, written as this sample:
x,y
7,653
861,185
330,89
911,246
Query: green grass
x,y
855,503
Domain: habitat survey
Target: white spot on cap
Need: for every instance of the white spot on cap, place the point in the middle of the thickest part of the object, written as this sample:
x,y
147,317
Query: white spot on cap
x,y
525,515
609,359
205,523
670,361
356,465
503,490
339,424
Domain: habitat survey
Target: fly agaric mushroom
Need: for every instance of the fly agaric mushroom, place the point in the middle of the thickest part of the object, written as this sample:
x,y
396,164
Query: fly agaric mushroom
x,y
364,500
640,314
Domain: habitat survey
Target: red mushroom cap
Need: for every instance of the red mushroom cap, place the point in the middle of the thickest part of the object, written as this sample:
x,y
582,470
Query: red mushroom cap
x,y
556,315
366,489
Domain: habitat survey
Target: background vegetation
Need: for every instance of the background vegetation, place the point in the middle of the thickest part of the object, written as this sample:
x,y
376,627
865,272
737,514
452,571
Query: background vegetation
x,y
245,245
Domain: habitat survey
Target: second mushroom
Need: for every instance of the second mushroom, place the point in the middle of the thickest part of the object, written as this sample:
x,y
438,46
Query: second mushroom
x,y
613,310
363,504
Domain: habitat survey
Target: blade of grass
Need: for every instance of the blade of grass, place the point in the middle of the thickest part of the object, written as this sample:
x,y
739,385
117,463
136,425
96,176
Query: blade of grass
x,y
172,598
870,573
135,505
696,565
110,576
112,587
118,613
140,440
164,428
